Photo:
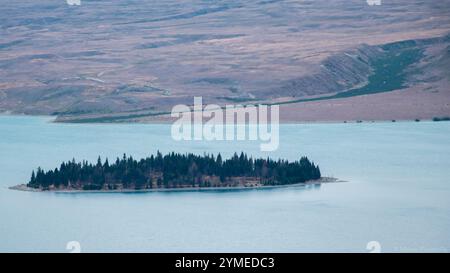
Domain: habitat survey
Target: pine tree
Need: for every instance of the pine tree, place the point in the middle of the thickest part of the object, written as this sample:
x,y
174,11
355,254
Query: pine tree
x,y
177,170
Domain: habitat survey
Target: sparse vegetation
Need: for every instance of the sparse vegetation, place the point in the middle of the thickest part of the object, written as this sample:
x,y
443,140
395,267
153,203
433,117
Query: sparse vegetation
x,y
441,119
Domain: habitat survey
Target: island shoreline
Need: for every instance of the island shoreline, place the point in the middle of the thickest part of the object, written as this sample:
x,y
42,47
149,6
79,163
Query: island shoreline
x,y
322,180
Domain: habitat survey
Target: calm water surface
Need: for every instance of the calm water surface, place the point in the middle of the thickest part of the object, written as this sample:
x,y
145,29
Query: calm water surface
x,y
398,192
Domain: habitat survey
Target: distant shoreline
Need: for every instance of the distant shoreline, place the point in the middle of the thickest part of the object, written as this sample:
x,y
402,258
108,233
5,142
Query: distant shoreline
x,y
323,180
54,119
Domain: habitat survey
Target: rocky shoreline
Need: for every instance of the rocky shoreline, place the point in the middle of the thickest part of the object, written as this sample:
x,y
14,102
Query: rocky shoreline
x,y
323,180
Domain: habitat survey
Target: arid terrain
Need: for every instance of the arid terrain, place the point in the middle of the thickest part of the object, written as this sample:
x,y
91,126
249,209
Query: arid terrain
x,y
131,61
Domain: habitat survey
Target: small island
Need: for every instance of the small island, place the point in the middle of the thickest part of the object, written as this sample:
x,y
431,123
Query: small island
x,y
173,171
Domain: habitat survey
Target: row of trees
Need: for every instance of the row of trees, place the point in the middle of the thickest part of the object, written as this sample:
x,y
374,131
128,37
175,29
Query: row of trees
x,y
173,169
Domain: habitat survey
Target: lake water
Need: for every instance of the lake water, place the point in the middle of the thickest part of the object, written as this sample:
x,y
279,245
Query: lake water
x,y
398,192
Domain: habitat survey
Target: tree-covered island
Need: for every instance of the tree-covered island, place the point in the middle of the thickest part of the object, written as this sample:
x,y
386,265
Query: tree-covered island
x,y
174,170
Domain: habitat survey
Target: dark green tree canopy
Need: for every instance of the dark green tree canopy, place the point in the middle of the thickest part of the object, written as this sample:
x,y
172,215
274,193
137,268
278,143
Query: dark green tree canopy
x,y
175,170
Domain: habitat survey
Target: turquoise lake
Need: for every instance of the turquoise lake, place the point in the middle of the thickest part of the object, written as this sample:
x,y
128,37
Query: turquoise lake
x,y
397,192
